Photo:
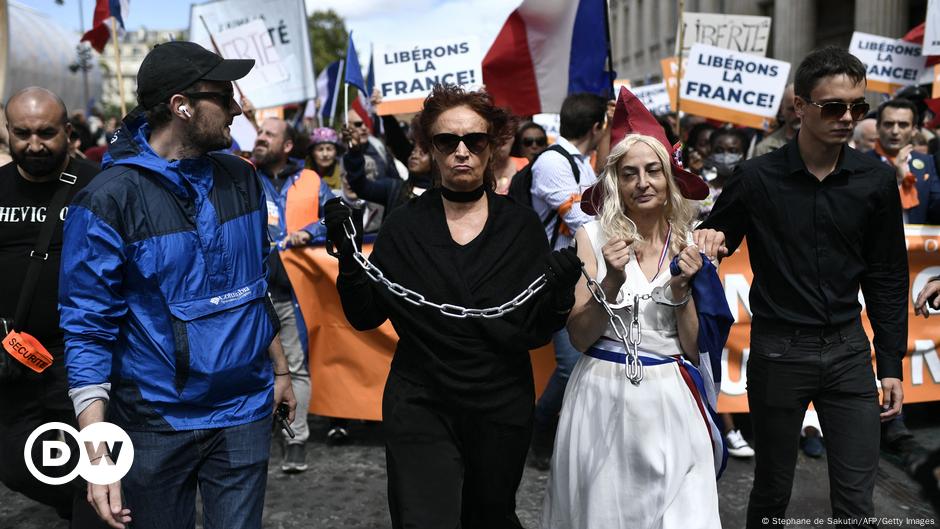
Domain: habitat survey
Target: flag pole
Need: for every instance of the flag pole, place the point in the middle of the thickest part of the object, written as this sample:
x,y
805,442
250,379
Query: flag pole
x,y
117,63
81,23
346,102
610,56
679,71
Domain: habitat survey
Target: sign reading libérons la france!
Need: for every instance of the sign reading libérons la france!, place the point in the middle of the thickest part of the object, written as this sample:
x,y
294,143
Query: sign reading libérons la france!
x,y
890,64
732,86
405,74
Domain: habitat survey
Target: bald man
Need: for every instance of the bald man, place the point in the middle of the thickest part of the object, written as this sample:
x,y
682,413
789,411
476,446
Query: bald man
x,y
789,125
865,135
38,131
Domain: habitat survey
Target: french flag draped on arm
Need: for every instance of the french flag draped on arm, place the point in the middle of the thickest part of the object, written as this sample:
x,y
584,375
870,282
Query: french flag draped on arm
x,y
100,31
546,50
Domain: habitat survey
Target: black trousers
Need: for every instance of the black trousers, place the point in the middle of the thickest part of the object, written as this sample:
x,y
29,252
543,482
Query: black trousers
x,y
24,406
448,469
788,368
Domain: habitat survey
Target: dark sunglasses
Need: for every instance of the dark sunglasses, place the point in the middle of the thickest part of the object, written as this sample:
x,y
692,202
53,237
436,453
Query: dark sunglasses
x,y
835,110
224,99
447,143
357,124
528,142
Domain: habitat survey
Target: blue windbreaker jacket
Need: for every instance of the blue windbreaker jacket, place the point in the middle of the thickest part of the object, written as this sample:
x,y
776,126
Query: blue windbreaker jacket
x,y
163,289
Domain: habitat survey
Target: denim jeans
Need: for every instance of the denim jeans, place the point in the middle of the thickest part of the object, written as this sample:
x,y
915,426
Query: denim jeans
x,y
230,466
549,404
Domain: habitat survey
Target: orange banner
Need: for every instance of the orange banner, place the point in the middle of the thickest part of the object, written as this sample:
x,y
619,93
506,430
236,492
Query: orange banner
x,y
348,368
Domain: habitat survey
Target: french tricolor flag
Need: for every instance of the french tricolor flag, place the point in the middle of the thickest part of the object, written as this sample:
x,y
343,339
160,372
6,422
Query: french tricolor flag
x,y
100,30
546,50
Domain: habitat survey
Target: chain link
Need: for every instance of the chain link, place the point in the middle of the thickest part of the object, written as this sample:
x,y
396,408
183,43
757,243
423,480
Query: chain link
x,y
629,336
418,300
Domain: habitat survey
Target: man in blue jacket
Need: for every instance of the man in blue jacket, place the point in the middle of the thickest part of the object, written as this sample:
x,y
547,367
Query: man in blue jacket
x,y
164,305
917,179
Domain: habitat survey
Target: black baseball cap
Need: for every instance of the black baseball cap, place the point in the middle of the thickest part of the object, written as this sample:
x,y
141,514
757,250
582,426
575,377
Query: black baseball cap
x,y
174,66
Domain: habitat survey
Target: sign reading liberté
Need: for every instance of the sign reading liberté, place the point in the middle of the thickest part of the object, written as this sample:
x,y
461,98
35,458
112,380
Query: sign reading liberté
x,y
406,73
743,33
890,64
735,87
283,65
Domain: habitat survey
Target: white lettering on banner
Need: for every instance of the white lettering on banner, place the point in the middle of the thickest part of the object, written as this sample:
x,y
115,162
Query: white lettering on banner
x,y
654,97
231,296
924,350
737,289
410,72
734,386
888,62
741,33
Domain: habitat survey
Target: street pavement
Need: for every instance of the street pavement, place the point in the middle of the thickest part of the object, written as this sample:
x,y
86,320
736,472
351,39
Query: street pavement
x,y
345,488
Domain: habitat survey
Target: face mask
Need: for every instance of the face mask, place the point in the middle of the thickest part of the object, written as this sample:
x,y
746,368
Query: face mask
x,y
723,163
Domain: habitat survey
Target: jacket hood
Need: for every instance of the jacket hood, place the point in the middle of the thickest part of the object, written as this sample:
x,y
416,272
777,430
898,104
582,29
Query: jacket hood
x,y
129,146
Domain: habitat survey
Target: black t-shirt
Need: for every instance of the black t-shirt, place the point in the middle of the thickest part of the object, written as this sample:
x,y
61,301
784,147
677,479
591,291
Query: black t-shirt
x,y
22,213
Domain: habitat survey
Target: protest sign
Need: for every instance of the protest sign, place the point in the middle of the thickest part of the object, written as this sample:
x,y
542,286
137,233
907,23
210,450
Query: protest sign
x,y
654,97
283,71
252,41
890,64
932,29
405,74
742,33
670,68
731,86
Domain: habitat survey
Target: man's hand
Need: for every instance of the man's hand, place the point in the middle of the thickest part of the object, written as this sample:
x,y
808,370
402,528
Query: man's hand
x,y
929,295
892,396
356,138
900,161
106,500
711,243
298,238
284,392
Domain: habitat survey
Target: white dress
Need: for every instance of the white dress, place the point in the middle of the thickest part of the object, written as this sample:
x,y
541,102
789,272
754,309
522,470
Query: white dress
x,y
628,456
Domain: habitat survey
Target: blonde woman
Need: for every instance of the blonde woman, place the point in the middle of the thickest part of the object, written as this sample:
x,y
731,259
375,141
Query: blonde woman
x,y
637,453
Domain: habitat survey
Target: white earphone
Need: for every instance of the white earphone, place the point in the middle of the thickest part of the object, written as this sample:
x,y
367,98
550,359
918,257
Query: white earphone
x,y
185,111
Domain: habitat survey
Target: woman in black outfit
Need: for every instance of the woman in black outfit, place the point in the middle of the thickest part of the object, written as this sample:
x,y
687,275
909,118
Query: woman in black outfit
x,y
458,403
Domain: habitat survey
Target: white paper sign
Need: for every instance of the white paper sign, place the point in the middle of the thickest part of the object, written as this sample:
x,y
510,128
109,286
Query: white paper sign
x,y
411,71
654,97
731,86
283,71
743,33
889,63
932,29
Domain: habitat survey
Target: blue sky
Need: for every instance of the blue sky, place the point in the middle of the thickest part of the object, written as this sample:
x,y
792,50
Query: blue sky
x,y
372,21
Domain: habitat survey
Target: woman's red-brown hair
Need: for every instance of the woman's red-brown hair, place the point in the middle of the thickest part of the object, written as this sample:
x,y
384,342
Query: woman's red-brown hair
x,y
445,97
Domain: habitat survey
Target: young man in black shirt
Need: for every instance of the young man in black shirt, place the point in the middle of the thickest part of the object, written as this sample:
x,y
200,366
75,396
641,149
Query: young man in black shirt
x,y
39,132
821,221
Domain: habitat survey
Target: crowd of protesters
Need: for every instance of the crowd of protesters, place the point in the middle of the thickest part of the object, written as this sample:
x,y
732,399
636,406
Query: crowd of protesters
x,y
129,283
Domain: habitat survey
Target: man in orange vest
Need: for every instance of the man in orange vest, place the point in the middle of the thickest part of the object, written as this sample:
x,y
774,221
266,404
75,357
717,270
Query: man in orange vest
x,y
295,197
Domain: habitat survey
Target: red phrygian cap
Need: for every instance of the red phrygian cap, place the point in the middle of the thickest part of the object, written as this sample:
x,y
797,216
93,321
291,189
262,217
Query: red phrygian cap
x,y
632,117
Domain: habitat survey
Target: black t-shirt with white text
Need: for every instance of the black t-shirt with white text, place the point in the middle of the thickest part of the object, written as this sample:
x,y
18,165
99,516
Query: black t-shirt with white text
x,y
23,207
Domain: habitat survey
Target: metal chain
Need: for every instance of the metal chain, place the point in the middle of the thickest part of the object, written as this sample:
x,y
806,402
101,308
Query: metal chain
x,y
629,336
418,300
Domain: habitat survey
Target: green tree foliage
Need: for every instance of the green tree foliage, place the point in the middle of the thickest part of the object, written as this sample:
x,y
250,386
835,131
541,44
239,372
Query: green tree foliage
x,y
327,38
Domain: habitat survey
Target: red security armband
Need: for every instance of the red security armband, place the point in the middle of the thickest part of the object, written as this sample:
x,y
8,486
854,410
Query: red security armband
x,y
27,351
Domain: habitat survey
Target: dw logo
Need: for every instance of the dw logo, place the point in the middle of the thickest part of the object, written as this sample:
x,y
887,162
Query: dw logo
x,y
95,441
